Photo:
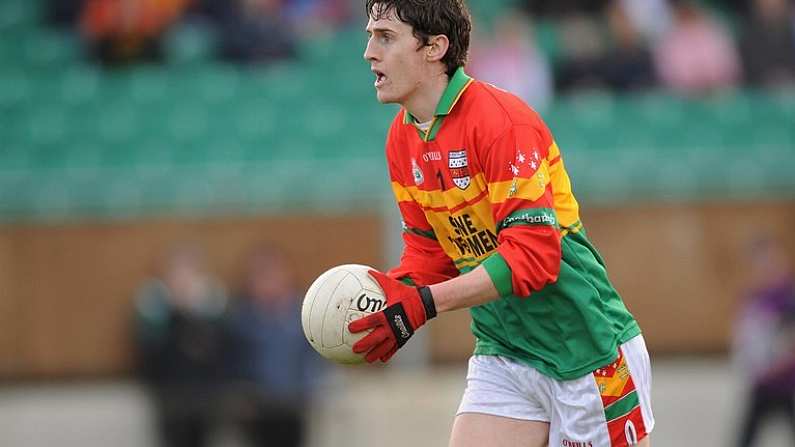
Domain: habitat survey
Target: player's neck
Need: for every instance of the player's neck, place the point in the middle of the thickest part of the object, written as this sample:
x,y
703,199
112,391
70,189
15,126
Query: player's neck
x,y
422,104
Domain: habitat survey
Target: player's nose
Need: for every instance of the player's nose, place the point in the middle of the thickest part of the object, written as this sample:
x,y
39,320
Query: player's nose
x,y
369,52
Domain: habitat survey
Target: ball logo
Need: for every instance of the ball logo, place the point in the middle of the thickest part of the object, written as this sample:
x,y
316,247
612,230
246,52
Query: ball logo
x,y
368,304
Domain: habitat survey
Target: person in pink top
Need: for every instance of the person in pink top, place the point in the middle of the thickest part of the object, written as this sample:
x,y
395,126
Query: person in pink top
x,y
511,60
696,55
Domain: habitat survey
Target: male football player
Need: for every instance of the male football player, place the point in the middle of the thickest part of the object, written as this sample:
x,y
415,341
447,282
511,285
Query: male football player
x,y
490,224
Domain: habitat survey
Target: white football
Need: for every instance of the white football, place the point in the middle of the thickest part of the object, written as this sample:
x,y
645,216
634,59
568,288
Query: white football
x,y
337,297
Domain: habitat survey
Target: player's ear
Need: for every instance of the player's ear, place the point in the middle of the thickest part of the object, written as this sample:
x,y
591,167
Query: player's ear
x,y
436,48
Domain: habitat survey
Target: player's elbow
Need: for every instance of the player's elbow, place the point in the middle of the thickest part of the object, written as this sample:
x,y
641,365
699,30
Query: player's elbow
x,y
533,265
544,272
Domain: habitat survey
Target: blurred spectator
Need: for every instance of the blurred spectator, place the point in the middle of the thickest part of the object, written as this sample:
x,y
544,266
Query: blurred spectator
x,y
64,13
624,63
271,365
740,7
513,61
178,322
764,340
583,44
312,18
651,18
768,43
252,31
215,11
696,55
120,32
561,8
627,64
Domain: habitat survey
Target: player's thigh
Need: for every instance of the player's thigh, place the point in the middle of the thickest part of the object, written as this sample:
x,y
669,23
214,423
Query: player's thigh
x,y
478,430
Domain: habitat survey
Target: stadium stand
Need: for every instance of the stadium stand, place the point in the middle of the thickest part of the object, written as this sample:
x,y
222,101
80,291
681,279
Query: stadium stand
x,y
76,140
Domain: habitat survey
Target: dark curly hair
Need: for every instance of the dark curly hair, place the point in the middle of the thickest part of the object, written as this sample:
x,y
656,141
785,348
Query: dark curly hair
x,y
430,18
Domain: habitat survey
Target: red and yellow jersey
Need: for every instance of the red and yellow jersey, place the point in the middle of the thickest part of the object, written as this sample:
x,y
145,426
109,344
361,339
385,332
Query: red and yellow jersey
x,y
486,184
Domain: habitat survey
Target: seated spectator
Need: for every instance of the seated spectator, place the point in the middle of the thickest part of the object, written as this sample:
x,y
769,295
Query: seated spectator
x,y
562,8
623,63
253,31
651,18
63,13
768,44
271,366
627,65
120,32
696,55
314,18
178,335
512,61
583,44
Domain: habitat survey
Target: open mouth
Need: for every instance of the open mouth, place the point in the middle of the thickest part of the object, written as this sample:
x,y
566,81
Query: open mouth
x,y
380,78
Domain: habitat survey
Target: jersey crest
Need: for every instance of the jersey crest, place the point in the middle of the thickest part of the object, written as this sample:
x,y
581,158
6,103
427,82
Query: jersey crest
x,y
459,168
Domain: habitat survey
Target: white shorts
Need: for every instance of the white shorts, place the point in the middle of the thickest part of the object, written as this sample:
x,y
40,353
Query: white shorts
x,y
609,408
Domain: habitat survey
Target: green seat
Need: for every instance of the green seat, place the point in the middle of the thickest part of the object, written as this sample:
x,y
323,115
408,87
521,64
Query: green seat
x,y
216,85
17,195
50,49
207,137
16,89
145,87
19,14
663,119
14,156
189,44
159,193
79,155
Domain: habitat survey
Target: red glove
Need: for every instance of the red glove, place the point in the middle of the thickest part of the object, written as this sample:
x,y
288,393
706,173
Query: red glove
x,y
407,309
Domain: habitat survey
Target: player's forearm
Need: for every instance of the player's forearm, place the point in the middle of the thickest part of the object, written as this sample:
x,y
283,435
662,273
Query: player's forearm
x,y
468,290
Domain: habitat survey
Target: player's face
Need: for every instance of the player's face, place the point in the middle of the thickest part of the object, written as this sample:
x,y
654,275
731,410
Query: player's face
x,y
395,58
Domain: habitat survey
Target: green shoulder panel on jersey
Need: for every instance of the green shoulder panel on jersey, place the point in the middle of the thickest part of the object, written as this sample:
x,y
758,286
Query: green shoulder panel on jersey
x,y
566,330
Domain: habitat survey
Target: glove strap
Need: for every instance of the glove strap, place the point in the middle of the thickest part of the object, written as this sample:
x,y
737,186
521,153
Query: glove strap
x,y
427,302
399,323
